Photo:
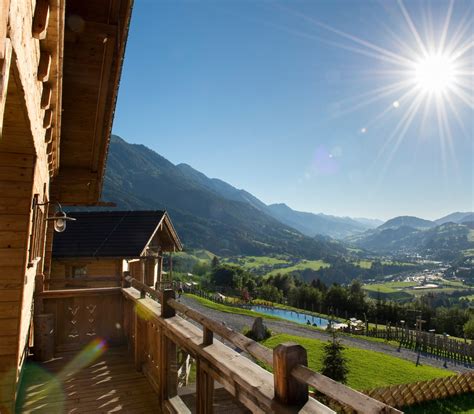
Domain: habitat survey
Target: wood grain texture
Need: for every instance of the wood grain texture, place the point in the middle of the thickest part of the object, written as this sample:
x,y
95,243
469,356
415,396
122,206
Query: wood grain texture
x,y
109,383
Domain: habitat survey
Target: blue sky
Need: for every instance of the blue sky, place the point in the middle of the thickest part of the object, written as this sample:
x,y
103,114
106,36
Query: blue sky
x,y
278,98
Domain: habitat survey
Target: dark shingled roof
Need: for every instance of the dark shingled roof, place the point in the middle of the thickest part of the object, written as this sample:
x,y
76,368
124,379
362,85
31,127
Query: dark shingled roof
x,y
106,234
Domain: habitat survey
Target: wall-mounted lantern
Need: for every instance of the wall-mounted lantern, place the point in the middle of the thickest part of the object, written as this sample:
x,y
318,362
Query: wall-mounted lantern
x,y
60,218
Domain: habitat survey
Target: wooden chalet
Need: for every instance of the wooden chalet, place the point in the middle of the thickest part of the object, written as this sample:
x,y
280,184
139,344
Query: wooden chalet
x,y
99,247
103,349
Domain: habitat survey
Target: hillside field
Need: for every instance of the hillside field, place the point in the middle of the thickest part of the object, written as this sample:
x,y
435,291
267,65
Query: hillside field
x,y
367,369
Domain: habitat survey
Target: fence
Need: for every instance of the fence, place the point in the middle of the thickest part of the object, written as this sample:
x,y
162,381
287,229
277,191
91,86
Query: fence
x,y
428,342
408,394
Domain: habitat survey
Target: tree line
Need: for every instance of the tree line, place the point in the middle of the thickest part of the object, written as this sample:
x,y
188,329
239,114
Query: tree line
x,y
344,301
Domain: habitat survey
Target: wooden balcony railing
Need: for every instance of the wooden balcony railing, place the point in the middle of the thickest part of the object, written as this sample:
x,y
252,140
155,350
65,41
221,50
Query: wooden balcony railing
x,y
160,330
286,390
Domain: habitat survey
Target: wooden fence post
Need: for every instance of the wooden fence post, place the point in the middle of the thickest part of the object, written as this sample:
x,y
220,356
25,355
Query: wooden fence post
x,y
288,390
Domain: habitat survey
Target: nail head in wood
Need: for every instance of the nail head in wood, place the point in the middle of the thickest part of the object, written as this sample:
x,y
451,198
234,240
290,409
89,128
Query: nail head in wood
x,y
288,390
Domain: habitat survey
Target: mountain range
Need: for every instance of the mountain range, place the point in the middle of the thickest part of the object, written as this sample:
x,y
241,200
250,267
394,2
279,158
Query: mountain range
x,y
443,238
212,214
208,213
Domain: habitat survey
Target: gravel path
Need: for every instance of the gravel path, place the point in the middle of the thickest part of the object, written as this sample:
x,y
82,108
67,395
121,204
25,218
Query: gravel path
x,y
238,322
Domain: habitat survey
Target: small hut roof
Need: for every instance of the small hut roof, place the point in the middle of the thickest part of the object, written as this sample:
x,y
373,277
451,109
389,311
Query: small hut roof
x,y
114,234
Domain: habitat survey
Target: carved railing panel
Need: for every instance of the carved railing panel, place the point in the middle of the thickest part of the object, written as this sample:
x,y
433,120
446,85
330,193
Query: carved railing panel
x,y
84,314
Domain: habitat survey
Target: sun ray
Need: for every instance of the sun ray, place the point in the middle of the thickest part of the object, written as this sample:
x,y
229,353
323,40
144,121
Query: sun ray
x,y
427,78
374,96
444,33
389,54
412,27
397,135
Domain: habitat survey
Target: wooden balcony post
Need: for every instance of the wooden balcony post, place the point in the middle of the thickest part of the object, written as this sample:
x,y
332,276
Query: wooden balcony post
x,y
150,264
166,310
160,270
288,390
168,364
207,336
204,389
139,338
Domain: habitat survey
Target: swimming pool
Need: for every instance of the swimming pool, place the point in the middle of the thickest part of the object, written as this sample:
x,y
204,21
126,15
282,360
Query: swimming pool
x,y
293,316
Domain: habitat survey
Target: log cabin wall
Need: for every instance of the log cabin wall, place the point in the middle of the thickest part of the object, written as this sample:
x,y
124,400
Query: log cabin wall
x,y
28,159
32,61
92,268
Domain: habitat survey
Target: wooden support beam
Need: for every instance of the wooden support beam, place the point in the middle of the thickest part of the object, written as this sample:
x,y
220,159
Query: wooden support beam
x,y
48,118
46,96
4,76
48,135
44,66
49,148
288,390
40,19
4,12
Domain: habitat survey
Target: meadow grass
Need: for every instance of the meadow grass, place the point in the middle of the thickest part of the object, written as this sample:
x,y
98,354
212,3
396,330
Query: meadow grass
x,y
230,309
303,265
364,264
252,262
367,369
470,235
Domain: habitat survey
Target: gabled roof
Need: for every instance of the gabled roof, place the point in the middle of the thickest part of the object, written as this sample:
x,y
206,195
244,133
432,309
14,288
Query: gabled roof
x,y
114,234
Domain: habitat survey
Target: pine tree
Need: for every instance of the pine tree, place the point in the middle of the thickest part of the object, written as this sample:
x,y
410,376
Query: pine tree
x,y
215,262
334,362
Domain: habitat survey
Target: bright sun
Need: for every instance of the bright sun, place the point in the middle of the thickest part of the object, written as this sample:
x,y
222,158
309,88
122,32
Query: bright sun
x,y
435,73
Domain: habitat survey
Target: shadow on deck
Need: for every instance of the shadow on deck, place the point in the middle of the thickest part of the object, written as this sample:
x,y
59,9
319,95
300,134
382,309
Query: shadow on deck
x,y
74,383
71,383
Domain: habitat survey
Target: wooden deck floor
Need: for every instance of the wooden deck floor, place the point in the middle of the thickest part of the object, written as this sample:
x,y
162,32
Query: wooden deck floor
x,y
72,383
109,384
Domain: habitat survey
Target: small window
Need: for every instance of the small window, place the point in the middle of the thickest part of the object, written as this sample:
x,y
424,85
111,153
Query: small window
x,y
78,272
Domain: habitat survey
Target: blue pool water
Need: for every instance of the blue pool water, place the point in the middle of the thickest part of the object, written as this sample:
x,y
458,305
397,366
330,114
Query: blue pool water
x,y
298,317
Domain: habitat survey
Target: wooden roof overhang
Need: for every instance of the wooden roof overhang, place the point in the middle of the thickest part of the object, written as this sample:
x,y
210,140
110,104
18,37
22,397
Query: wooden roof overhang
x,y
94,46
163,239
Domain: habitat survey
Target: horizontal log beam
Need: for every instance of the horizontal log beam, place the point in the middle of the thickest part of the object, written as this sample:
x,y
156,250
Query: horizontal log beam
x,y
341,393
44,66
4,76
40,19
71,293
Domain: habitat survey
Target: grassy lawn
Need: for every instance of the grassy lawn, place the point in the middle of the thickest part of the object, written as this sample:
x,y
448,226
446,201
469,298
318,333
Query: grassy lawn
x,y
364,264
460,404
230,309
367,369
253,262
470,235
304,264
